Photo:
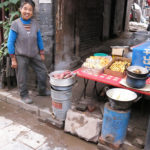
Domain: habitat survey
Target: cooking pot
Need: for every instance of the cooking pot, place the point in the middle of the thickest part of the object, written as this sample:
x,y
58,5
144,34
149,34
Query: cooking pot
x,y
136,82
121,99
137,71
137,76
61,82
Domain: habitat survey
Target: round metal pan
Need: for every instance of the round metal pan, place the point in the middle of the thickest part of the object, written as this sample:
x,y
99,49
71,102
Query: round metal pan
x,y
61,82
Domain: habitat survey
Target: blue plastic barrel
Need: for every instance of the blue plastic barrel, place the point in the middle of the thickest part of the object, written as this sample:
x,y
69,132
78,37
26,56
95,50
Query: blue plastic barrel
x,y
114,126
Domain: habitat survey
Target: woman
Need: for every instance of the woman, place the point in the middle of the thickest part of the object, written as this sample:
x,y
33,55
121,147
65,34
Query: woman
x,y
26,48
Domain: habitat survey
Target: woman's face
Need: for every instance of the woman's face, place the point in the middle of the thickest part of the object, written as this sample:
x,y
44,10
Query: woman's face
x,y
26,11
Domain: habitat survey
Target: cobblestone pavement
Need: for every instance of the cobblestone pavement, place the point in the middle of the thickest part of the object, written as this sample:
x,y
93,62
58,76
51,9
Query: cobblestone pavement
x,y
20,130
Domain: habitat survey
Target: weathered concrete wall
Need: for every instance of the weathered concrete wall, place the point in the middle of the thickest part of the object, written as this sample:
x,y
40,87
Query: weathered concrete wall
x,y
47,29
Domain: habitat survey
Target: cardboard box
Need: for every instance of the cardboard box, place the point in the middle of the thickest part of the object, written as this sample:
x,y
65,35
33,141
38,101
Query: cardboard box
x,y
119,50
116,73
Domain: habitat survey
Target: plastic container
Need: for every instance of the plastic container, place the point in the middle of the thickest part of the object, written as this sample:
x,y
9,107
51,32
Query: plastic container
x,y
61,103
100,54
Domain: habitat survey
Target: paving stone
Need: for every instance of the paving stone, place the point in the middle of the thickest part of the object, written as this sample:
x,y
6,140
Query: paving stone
x,y
32,139
139,132
4,141
138,142
59,148
3,95
30,107
127,145
55,122
10,133
4,122
82,124
103,147
14,100
44,113
16,146
13,131
44,147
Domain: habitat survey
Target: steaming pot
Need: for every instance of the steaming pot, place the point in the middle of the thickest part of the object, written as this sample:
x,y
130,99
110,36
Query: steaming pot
x,y
61,83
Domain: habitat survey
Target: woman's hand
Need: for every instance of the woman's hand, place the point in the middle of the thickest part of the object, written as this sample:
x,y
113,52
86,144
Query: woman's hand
x,y
42,57
14,63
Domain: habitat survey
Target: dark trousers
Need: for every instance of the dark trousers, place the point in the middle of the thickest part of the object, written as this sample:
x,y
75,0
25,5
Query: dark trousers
x,y
22,73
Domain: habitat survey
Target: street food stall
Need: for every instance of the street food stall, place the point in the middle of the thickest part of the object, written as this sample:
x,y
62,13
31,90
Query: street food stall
x,y
128,76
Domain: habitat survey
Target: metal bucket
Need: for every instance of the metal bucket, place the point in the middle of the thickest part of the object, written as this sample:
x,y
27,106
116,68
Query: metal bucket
x,y
61,103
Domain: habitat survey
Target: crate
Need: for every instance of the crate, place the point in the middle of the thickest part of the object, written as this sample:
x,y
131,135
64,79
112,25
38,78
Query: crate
x,y
119,50
116,73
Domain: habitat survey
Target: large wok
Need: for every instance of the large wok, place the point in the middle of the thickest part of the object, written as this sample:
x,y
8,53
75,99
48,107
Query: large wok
x,y
121,99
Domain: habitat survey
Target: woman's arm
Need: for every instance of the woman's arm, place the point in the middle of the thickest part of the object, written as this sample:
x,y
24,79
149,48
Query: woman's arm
x,y
40,45
11,42
11,47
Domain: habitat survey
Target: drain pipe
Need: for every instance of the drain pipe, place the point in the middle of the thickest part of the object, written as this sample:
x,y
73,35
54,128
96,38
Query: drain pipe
x,y
147,143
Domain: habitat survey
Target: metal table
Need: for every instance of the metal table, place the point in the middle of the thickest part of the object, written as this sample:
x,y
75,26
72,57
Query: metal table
x,y
114,81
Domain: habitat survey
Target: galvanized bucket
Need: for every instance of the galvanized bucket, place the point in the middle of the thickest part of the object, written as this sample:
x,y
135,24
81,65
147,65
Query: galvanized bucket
x,y
61,103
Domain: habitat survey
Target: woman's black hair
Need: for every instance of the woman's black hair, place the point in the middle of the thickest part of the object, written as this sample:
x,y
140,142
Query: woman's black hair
x,y
27,2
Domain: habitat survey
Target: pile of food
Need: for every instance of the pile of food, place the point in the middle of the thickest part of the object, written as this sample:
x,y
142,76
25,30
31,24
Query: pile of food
x,y
137,71
96,62
63,75
119,66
